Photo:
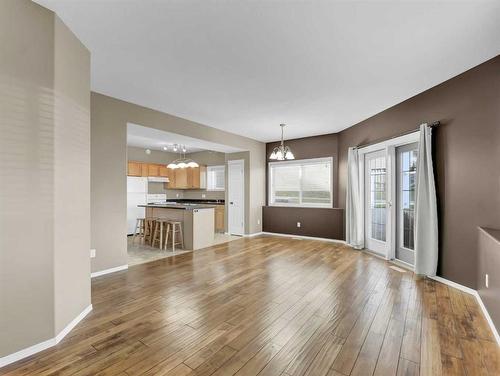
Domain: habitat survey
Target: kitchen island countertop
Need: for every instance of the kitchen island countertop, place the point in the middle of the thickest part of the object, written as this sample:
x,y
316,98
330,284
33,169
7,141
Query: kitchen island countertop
x,y
178,206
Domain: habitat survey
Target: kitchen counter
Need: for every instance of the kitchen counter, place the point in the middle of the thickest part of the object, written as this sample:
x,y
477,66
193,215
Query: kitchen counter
x,y
197,221
181,206
196,201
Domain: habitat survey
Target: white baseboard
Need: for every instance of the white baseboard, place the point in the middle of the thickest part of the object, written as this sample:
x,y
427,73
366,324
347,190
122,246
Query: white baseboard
x,y
73,323
252,235
24,353
488,318
301,237
479,301
107,271
458,286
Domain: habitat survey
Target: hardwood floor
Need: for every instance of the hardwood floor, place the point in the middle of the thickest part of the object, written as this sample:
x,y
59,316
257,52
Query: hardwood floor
x,y
272,306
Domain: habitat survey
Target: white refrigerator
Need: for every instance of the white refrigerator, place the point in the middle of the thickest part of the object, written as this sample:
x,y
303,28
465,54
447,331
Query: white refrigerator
x,y
137,192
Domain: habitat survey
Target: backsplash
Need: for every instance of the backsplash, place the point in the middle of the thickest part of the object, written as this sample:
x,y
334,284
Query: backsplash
x,y
158,188
212,195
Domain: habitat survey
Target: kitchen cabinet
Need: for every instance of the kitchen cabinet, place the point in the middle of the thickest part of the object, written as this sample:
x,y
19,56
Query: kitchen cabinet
x,y
147,169
136,169
153,170
163,171
187,178
197,177
219,218
180,178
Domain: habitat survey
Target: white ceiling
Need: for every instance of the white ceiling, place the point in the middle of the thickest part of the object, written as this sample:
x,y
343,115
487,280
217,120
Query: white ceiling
x,y
246,66
155,139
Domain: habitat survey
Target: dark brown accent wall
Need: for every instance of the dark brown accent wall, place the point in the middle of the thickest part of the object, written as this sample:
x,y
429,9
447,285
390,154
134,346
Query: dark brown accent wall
x,y
311,147
317,222
467,159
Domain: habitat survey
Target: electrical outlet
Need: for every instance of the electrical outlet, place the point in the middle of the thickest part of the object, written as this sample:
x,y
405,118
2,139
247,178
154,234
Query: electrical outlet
x,y
203,195
298,224
176,195
92,253
258,221
487,280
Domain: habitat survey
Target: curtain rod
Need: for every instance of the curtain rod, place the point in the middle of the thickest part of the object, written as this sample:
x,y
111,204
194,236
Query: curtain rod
x,y
432,125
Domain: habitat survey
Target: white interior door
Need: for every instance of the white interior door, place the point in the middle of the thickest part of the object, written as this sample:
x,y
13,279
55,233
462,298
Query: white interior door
x,y
377,208
236,197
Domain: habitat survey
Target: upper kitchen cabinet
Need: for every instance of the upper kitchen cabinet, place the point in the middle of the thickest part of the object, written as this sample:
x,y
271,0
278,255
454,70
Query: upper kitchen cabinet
x,y
188,178
180,179
147,169
163,171
137,169
154,170
197,177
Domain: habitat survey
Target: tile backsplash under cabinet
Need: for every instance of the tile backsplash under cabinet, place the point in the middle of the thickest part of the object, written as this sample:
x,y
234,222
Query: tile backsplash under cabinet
x,y
158,188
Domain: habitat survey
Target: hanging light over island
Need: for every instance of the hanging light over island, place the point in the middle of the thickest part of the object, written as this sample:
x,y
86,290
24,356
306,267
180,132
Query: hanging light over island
x,y
182,161
282,152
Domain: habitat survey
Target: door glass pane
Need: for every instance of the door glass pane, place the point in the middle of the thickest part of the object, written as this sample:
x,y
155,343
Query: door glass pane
x,y
408,175
377,174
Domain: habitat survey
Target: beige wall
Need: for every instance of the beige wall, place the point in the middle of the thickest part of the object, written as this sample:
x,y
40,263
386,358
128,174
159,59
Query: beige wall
x,y
44,249
72,176
156,156
109,118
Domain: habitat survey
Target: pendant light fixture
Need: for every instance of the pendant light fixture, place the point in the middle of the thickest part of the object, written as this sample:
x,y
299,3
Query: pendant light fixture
x,y
182,161
282,152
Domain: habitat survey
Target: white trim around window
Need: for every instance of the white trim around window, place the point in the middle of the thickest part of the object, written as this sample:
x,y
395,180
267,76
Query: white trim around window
x,y
299,163
216,178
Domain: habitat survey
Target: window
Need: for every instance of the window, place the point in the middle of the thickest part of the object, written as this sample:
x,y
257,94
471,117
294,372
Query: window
x,y
215,178
306,182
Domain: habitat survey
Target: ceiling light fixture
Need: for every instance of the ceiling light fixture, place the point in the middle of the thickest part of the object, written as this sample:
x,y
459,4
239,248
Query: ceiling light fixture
x,y
165,148
182,161
282,152
147,151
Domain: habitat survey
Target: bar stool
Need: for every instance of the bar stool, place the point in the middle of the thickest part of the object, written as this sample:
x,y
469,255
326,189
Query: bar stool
x,y
161,225
176,228
139,229
149,225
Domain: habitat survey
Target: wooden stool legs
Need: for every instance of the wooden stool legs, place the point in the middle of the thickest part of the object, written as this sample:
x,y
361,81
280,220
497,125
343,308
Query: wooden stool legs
x,y
160,226
140,229
151,230
175,227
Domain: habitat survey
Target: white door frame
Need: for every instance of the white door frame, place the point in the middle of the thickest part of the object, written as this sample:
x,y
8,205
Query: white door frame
x,y
242,163
389,146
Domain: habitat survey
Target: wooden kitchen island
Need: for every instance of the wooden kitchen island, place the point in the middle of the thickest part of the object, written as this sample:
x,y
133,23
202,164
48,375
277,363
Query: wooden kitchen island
x,y
197,221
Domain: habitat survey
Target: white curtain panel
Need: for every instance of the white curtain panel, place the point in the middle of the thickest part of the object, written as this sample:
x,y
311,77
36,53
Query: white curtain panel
x,y
426,222
355,232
